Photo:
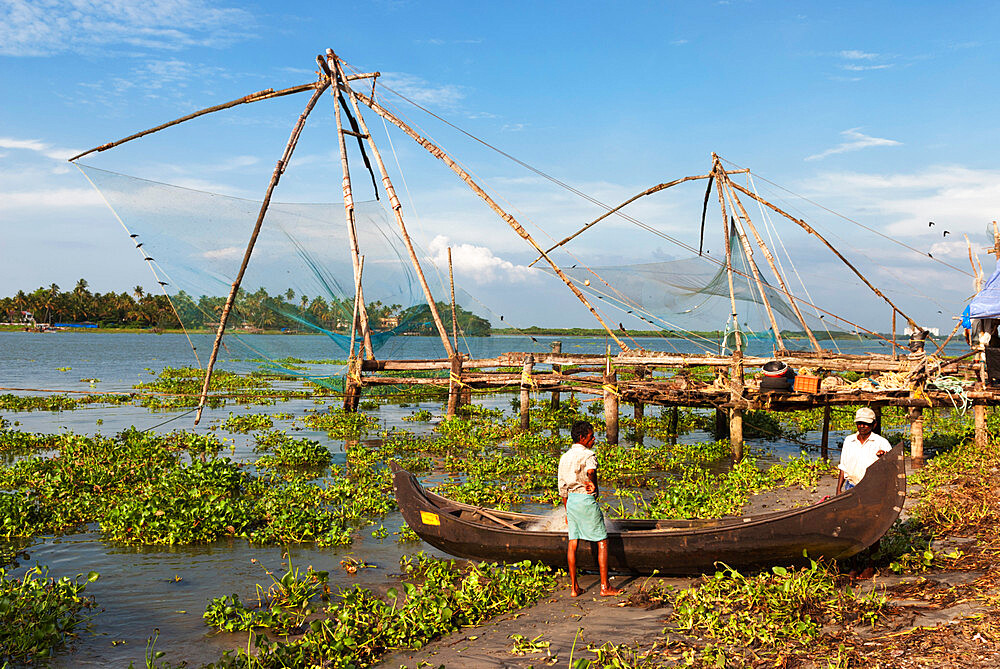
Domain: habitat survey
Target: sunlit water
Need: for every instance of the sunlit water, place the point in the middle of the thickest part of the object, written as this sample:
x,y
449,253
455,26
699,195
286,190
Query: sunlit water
x,y
167,588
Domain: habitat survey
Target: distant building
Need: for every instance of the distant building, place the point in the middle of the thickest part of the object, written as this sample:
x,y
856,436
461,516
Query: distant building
x,y
389,322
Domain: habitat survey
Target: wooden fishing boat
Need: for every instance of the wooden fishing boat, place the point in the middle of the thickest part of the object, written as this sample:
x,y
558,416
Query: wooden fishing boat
x,y
836,528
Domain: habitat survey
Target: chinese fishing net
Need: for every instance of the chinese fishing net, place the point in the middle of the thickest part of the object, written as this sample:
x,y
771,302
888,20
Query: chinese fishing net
x,y
300,279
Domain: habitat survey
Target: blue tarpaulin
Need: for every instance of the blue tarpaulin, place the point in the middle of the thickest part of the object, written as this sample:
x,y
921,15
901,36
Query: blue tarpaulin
x,y
986,303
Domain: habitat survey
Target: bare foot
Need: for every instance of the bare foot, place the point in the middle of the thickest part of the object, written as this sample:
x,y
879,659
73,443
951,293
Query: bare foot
x,y
610,592
575,592
869,572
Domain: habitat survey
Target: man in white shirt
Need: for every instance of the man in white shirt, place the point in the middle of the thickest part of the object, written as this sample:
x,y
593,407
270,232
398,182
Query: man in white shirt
x,y
578,490
860,450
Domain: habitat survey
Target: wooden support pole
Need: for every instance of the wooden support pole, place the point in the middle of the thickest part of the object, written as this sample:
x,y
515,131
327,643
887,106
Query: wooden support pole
x,y
748,250
824,444
674,420
639,408
716,168
982,437
736,415
397,207
895,355
774,267
805,226
556,369
451,282
878,419
721,424
916,417
529,363
611,406
279,169
455,386
352,385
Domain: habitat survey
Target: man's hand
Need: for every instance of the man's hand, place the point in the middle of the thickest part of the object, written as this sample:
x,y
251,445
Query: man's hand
x,y
879,454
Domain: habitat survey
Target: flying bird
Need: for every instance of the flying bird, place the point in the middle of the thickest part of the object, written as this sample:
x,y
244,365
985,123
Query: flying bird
x,y
622,328
945,234
930,223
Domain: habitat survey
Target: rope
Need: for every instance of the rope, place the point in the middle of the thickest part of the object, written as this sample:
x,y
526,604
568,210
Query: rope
x,y
170,420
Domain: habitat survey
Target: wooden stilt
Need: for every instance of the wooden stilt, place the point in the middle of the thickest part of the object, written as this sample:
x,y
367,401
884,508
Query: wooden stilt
x,y
529,364
611,406
982,437
674,419
721,424
639,408
916,417
352,385
556,369
824,444
736,415
455,386
878,419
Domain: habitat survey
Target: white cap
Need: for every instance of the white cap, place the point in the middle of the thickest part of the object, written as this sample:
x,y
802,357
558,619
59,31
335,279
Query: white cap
x,y
864,415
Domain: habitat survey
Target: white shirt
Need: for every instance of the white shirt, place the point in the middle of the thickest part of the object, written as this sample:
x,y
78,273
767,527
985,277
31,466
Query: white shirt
x,y
855,457
573,467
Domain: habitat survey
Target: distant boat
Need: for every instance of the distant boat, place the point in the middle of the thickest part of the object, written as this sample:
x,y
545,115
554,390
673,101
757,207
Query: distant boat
x,y
835,529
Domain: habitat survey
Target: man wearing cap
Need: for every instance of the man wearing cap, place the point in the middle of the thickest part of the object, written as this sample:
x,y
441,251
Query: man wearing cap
x,y
860,450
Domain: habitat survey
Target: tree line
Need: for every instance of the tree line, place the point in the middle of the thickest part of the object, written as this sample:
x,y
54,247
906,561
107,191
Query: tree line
x,y
252,310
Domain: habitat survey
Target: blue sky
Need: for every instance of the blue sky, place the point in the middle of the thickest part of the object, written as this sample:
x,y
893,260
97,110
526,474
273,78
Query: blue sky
x,y
881,112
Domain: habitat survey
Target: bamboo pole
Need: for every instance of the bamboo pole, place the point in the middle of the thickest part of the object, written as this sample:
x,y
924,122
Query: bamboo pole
x,y
279,169
455,386
526,370
349,215
736,415
454,317
805,226
437,152
610,388
397,207
894,354
648,191
265,94
741,233
556,369
716,167
357,300
639,408
774,267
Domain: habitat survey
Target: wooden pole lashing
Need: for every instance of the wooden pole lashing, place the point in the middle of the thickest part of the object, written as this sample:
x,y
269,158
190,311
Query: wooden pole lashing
x,y
279,169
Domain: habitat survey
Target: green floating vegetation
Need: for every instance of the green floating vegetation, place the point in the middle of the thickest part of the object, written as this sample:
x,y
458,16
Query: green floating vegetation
x,y
144,489
181,387
39,614
10,402
282,607
247,422
285,451
358,627
340,424
749,618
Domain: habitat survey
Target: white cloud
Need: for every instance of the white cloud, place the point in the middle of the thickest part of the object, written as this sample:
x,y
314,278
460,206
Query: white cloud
x,y
855,54
49,198
855,142
37,146
56,27
865,68
477,262
422,91
226,253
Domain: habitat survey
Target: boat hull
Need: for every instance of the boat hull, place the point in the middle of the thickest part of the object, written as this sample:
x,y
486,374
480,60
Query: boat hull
x,y
835,529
